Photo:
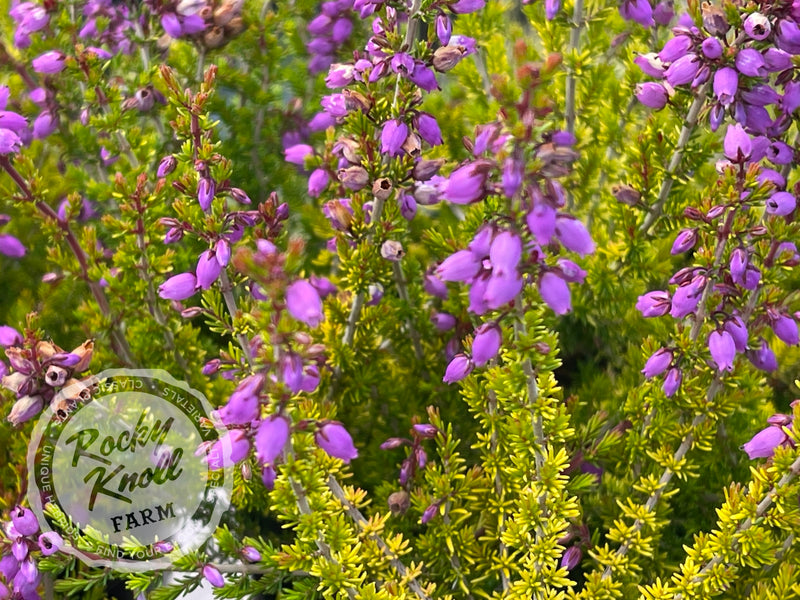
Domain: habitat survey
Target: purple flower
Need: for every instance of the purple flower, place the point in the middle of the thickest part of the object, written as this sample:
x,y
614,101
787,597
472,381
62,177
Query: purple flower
x,y
763,357
208,269
574,235
334,439
541,221
502,288
10,142
213,576
757,26
658,362
435,286
50,543
637,10
206,188
178,287
304,303
781,204
737,143
555,293
685,240
651,64
653,304
25,409
24,521
11,246
9,336
571,558
687,297
726,83
444,29
466,184
458,368
785,329
486,344
228,450
443,321
463,7
49,62
166,166
551,8
317,182
460,266
428,128
251,554
738,331
683,70
672,381
244,404
13,121
271,437
297,154
711,48
723,349
651,94
750,62
763,444
393,136
505,252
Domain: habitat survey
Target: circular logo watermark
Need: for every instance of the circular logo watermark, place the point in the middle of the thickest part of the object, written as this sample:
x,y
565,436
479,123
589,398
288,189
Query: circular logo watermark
x,y
112,469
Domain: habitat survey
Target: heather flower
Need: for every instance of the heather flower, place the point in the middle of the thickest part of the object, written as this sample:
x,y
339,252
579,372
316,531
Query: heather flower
x,y
570,272
663,13
658,362
683,70
213,576
785,329
433,285
726,83
653,304
428,128
9,336
651,94
505,252
723,349
763,444
178,287
750,62
10,142
672,381
651,64
251,554
574,235
762,357
244,404
228,450
393,136
687,297
486,343
571,558
166,166
49,62
334,439
50,543
781,204
637,10
757,26
685,240
206,188
541,221
738,331
459,266
551,8
271,437
443,321
737,144
208,269
304,303
25,409
466,184
317,182
711,48
555,293
268,477
24,521
444,29
11,246
463,7
501,288
458,368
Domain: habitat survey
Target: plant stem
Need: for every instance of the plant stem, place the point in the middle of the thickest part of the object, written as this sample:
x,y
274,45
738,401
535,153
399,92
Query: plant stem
x,y
498,490
574,45
233,309
402,289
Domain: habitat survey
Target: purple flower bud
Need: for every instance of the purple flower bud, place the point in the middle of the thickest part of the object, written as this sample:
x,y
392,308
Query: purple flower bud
x,y
570,272
10,142
486,344
425,430
317,182
443,321
408,206
781,204
750,62
208,269
45,124
459,266
304,303
574,235
682,70
430,512
163,547
738,331
213,576
206,188
763,357
463,7
166,166
637,10
222,250
428,128
393,443
723,349
555,293
763,444
757,26
435,286
541,221
663,13
651,64
675,48
444,29
239,195
178,287
687,297
49,62
737,144
244,404
512,177
334,439
672,381
466,184
505,252
24,521
685,240
551,8
19,549
458,368
297,154
323,285
776,60
651,94
9,336
9,567
502,288
785,329
711,48
251,554
270,439
11,246
268,476
726,83
393,136
339,76
228,450
571,558
50,543
658,362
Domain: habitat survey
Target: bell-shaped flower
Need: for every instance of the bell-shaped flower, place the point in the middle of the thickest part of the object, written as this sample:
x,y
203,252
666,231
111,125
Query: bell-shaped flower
x,y
738,330
9,336
49,63
555,293
541,221
178,287
653,304
763,444
244,404
683,70
501,288
25,409
208,269
785,329
723,349
675,48
304,303
574,235
270,439
24,521
459,266
658,362
11,246
687,297
317,182
334,439
781,204
763,357
639,11
477,293
393,136
458,368
757,26
672,382
726,83
206,189
50,543
685,240
428,128
486,343
651,94
750,62
466,184
213,576
737,144
228,450
711,48
505,252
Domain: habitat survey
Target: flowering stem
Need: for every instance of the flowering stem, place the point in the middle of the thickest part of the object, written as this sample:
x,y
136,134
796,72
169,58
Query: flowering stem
x,y
118,342
355,514
233,309
402,289
686,132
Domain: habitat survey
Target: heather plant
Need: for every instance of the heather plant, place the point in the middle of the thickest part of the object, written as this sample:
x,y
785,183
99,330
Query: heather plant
x,y
491,299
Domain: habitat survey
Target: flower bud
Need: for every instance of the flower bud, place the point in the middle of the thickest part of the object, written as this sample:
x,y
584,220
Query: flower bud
x,y
334,439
